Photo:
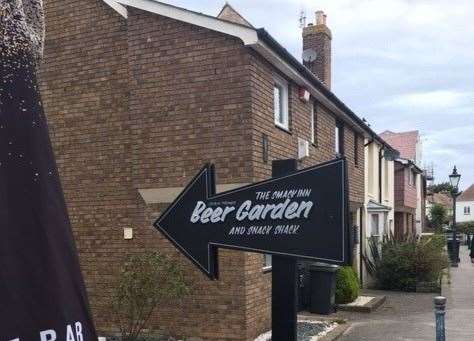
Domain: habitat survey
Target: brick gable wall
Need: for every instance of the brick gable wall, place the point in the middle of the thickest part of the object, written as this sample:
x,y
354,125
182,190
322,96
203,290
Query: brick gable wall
x,y
84,79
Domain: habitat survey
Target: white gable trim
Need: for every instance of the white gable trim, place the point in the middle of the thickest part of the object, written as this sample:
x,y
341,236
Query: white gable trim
x,y
122,10
246,34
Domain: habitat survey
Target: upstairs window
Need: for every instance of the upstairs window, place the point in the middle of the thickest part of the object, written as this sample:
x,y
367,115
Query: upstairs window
x,y
280,102
339,139
411,177
467,210
356,149
314,124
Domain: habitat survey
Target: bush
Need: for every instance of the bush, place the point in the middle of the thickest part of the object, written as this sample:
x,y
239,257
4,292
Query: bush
x,y
466,227
144,281
347,285
404,263
438,217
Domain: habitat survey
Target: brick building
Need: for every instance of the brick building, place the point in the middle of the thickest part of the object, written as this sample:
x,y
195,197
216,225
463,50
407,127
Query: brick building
x,y
139,95
410,182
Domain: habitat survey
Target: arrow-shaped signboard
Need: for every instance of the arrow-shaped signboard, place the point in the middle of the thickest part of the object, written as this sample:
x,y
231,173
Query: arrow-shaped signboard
x,y
303,214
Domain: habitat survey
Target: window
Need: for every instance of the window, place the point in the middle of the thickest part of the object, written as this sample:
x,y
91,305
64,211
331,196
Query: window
x,y
267,262
467,210
314,124
356,149
386,179
374,225
280,102
265,148
339,139
411,177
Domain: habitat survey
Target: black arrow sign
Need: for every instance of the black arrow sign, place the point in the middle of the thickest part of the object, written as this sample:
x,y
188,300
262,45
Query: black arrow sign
x,y
302,215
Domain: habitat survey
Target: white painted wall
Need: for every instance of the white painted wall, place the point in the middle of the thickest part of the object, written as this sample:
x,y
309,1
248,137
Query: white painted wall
x,y
385,219
461,215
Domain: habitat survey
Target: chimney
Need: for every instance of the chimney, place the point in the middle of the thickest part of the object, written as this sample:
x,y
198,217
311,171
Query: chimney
x,y
317,48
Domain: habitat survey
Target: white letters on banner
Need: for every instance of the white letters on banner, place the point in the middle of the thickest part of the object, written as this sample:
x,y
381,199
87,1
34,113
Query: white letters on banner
x,y
73,333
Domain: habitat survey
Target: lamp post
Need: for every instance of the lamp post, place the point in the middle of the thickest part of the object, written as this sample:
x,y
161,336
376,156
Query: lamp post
x,y
454,181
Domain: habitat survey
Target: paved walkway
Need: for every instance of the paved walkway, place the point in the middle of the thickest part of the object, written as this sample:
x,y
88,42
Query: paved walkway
x,y
404,316
460,296
410,316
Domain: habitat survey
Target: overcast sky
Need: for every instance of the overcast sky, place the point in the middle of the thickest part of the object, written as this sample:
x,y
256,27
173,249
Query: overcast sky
x,y
401,64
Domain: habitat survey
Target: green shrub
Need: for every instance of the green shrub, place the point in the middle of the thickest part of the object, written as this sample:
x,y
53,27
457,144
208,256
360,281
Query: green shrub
x,y
466,227
403,263
438,217
144,281
347,285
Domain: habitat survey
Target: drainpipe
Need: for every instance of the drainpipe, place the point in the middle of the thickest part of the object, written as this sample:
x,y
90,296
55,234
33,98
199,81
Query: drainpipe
x,y
361,247
380,174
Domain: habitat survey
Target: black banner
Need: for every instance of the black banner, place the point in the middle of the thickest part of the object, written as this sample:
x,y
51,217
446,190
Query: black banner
x,y
42,295
303,215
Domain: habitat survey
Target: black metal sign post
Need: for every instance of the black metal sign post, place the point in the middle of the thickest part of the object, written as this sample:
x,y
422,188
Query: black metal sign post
x,y
284,278
295,214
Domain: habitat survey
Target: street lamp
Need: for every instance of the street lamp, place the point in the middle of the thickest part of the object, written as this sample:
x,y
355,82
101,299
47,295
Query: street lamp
x,y
454,180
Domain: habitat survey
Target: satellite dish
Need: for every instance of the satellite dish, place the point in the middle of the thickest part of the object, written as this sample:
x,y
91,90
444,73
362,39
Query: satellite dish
x,y
309,55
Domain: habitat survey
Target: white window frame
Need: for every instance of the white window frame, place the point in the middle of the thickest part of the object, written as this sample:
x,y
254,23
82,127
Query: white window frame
x,y
467,210
284,103
337,147
313,113
267,262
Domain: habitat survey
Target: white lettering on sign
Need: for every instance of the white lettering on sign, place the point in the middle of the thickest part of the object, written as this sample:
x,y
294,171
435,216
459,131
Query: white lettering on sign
x,y
79,336
247,211
73,333
48,335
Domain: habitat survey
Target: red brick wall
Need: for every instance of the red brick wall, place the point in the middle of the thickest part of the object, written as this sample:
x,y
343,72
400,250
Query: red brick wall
x,y
405,194
284,144
84,80
189,105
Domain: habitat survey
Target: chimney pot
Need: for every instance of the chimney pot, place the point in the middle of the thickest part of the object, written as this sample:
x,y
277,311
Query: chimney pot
x,y
320,18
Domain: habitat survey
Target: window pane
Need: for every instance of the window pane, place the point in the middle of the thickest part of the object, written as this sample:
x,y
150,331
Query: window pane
x,y
375,224
336,140
267,261
277,104
312,123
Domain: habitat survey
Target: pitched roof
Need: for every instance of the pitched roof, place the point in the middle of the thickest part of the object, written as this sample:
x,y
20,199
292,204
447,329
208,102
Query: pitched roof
x,y
404,142
468,194
230,14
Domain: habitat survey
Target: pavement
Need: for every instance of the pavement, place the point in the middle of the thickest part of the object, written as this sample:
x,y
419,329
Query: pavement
x,y
410,316
460,300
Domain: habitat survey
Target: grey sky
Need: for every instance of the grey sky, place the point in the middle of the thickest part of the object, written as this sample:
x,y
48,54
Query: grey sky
x,y
401,64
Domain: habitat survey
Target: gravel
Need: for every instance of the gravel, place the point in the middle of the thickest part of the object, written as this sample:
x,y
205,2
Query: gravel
x,y
307,331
